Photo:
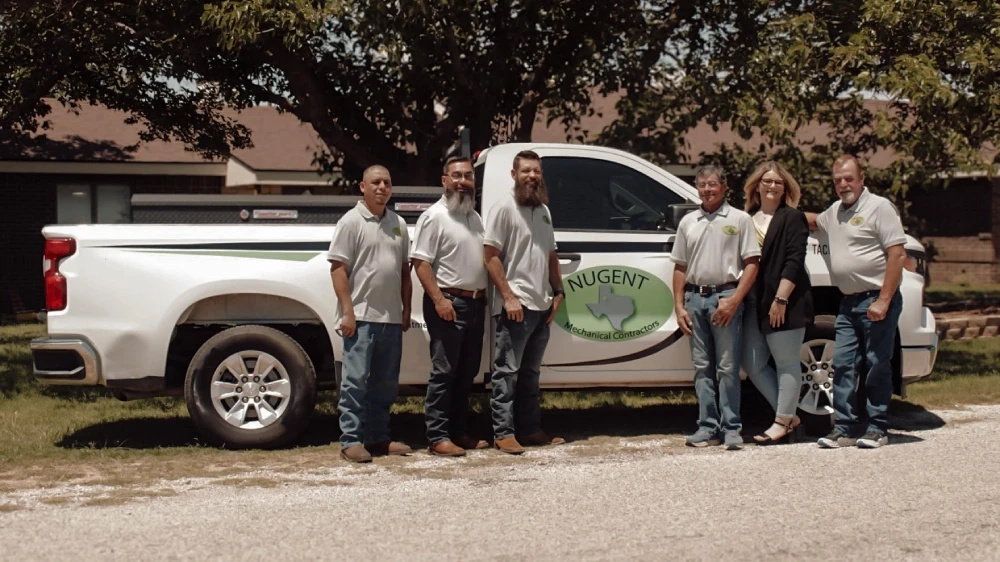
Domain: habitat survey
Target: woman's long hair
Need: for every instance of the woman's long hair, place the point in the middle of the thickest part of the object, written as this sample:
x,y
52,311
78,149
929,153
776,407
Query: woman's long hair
x,y
793,193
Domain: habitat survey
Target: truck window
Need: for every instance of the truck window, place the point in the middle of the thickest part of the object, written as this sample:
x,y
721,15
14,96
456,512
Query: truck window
x,y
589,194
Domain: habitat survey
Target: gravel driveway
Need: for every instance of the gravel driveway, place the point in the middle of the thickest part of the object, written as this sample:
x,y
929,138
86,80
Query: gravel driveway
x,y
930,495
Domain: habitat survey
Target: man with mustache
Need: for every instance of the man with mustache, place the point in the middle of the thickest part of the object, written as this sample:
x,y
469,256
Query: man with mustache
x,y
520,256
371,277
866,263
447,256
716,257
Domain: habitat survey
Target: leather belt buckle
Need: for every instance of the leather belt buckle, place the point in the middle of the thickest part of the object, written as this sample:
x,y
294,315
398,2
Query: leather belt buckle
x,y
705,290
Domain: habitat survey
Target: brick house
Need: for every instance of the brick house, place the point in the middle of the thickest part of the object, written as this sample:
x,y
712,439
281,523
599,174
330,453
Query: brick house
x,y
85,170
960,224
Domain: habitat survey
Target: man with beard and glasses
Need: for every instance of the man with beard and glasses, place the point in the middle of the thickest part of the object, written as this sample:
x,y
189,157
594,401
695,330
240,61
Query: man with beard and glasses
x,y
866,260
371,277
520,256
447,256
716,256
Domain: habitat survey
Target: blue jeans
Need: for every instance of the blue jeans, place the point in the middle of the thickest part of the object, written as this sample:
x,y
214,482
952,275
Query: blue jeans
x,y
456,348
369,382
859,342
780,384
715,352
517,363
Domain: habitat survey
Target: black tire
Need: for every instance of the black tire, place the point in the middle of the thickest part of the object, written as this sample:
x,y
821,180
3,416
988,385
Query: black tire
x,y
819,425
295,362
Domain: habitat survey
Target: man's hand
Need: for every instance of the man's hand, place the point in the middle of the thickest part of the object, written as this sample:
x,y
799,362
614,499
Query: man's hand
x,y
445,310
348,325
777,314
556,303
513,308
725,312
877,310
684,320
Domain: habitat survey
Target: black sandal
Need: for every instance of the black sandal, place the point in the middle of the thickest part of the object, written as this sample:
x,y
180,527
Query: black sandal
x,y
789,436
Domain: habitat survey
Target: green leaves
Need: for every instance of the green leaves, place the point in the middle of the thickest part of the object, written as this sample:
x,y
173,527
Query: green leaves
x,y
392,82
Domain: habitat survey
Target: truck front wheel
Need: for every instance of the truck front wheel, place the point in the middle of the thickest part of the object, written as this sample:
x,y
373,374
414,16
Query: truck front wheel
x,y
816,394
250,387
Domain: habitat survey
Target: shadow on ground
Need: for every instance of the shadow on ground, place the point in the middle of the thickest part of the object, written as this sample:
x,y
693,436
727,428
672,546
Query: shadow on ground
x,y
904,416
573,424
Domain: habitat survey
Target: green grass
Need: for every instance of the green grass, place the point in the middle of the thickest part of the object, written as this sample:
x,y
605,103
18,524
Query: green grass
x,y
945,293
966,372
52,435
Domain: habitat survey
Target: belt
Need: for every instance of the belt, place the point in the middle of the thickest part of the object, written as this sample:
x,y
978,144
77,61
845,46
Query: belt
x,y
477,294
706,290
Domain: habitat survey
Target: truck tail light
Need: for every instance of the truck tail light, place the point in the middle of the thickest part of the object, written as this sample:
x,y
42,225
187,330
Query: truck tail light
x,y
56,249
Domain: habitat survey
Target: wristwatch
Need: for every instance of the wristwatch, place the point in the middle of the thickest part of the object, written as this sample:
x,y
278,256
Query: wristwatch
x,y
558,292
781,300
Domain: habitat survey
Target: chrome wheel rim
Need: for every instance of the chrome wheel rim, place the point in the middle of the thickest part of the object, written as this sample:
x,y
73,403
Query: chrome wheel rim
x,y
816,393
251,389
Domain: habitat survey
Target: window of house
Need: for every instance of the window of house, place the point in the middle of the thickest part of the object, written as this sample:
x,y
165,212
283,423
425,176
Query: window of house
x,y
587,194
87,204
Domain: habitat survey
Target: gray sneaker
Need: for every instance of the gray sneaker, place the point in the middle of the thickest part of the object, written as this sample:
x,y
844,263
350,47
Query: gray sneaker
x,y
733,441
702,438
873,439
836,440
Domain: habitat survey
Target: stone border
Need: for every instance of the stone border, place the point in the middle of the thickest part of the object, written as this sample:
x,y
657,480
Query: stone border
x,y
968,327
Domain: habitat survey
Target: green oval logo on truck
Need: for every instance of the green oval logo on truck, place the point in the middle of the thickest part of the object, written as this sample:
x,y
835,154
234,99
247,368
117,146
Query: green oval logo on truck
x,y
614,303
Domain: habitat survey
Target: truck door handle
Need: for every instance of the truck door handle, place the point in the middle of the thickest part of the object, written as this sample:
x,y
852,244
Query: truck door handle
x,y
570,257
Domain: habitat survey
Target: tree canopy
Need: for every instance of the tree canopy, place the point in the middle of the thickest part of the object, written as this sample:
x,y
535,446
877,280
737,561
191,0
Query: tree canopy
x,y
392,82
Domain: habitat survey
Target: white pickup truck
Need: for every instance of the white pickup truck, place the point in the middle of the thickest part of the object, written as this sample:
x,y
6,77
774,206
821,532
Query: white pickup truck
x,y
239,318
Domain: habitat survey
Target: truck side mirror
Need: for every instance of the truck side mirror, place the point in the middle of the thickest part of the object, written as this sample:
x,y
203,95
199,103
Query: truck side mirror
x,y
677,211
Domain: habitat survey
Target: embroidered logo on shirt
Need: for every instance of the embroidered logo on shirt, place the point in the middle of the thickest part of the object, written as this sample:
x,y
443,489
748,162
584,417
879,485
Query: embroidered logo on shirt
x,y
857,220
730,230
546,219
396,231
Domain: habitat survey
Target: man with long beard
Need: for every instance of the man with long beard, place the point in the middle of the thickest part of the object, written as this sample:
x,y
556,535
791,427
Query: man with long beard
x,y
447,256
521,259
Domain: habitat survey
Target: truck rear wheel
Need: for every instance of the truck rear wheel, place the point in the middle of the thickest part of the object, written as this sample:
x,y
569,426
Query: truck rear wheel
x,y
250,387
816,393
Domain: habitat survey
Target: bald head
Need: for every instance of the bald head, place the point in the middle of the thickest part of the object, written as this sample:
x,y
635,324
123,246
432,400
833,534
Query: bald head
x,y
371,171
376,187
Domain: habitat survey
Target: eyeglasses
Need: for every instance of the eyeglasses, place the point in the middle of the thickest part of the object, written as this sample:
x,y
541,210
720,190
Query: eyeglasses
x,y
471,176
708,184
770,182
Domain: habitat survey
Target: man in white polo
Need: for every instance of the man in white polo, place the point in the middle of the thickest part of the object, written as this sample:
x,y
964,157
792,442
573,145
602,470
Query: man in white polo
x,y
716,256
447,257
371,277
520,253
866,239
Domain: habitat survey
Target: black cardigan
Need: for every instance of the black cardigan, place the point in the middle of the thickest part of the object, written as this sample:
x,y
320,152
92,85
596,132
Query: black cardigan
x,y
784,256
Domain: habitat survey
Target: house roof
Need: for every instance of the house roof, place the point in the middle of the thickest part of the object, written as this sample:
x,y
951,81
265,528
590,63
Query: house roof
x,y
98,134
701,139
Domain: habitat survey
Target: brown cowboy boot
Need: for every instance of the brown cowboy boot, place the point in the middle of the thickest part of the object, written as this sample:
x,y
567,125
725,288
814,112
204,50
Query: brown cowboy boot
x,y
468,442
446,449
355,453
509,445
384,448
540,438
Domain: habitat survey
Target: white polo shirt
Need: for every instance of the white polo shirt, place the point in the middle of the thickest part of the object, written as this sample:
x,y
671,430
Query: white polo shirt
x,y
525,237
453,244
858,237
714,245
374,251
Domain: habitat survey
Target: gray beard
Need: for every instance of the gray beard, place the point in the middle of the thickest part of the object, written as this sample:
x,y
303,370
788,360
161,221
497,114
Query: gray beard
x,y
461,203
